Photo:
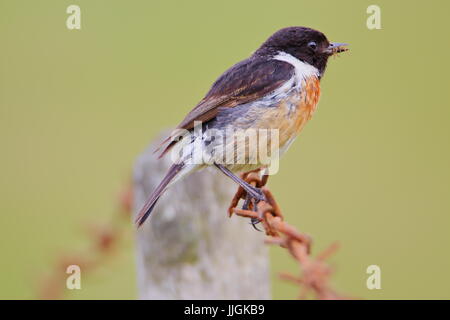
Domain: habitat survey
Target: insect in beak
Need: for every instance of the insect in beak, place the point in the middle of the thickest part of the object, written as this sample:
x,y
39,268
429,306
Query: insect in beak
x,y
336,47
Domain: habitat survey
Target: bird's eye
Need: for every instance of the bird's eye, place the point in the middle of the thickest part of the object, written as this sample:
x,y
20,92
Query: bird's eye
x,y
312,45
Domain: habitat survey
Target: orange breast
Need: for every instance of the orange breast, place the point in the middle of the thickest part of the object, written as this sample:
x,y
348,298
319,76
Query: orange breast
x,y
298,109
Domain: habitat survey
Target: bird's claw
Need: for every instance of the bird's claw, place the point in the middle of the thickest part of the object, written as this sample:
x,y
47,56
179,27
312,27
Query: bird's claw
x,y
254,222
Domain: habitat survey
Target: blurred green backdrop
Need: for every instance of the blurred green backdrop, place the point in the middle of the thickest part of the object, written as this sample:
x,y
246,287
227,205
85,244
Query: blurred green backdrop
x,y
78,106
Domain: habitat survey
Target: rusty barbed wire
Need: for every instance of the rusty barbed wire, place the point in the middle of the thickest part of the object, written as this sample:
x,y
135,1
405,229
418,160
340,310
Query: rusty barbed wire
x,y
104,241
315,275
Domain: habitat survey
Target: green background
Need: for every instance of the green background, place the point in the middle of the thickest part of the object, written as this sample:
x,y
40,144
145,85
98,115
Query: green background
x,y
78,106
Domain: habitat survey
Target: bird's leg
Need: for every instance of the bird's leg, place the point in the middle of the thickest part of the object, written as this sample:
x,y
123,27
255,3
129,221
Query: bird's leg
x,y
254,192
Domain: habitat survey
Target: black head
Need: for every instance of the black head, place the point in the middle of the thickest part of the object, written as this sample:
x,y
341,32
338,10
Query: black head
x,y
308,45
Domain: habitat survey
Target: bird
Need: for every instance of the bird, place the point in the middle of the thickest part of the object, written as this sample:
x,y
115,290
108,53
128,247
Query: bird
x,y
277,88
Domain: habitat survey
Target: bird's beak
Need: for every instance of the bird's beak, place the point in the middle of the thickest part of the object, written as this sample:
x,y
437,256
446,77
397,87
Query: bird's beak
x,y
336,47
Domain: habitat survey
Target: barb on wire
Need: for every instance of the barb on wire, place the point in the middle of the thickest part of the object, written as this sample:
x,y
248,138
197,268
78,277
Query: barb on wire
x,y
315,276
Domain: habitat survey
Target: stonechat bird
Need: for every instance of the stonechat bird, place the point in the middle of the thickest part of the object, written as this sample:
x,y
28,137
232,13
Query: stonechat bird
x,y
276,88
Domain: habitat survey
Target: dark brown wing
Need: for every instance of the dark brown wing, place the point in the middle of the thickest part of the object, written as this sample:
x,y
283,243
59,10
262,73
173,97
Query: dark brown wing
x,y
246,81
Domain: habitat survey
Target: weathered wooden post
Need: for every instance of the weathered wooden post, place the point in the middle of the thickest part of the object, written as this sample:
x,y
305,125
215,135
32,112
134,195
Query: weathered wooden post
x,y
189,248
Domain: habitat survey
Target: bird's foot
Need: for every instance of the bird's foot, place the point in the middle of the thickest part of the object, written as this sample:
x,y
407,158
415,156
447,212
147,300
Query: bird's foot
x,y
250,203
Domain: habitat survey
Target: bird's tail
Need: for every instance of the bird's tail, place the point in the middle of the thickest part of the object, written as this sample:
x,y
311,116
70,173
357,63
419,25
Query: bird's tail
x,y
176,171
